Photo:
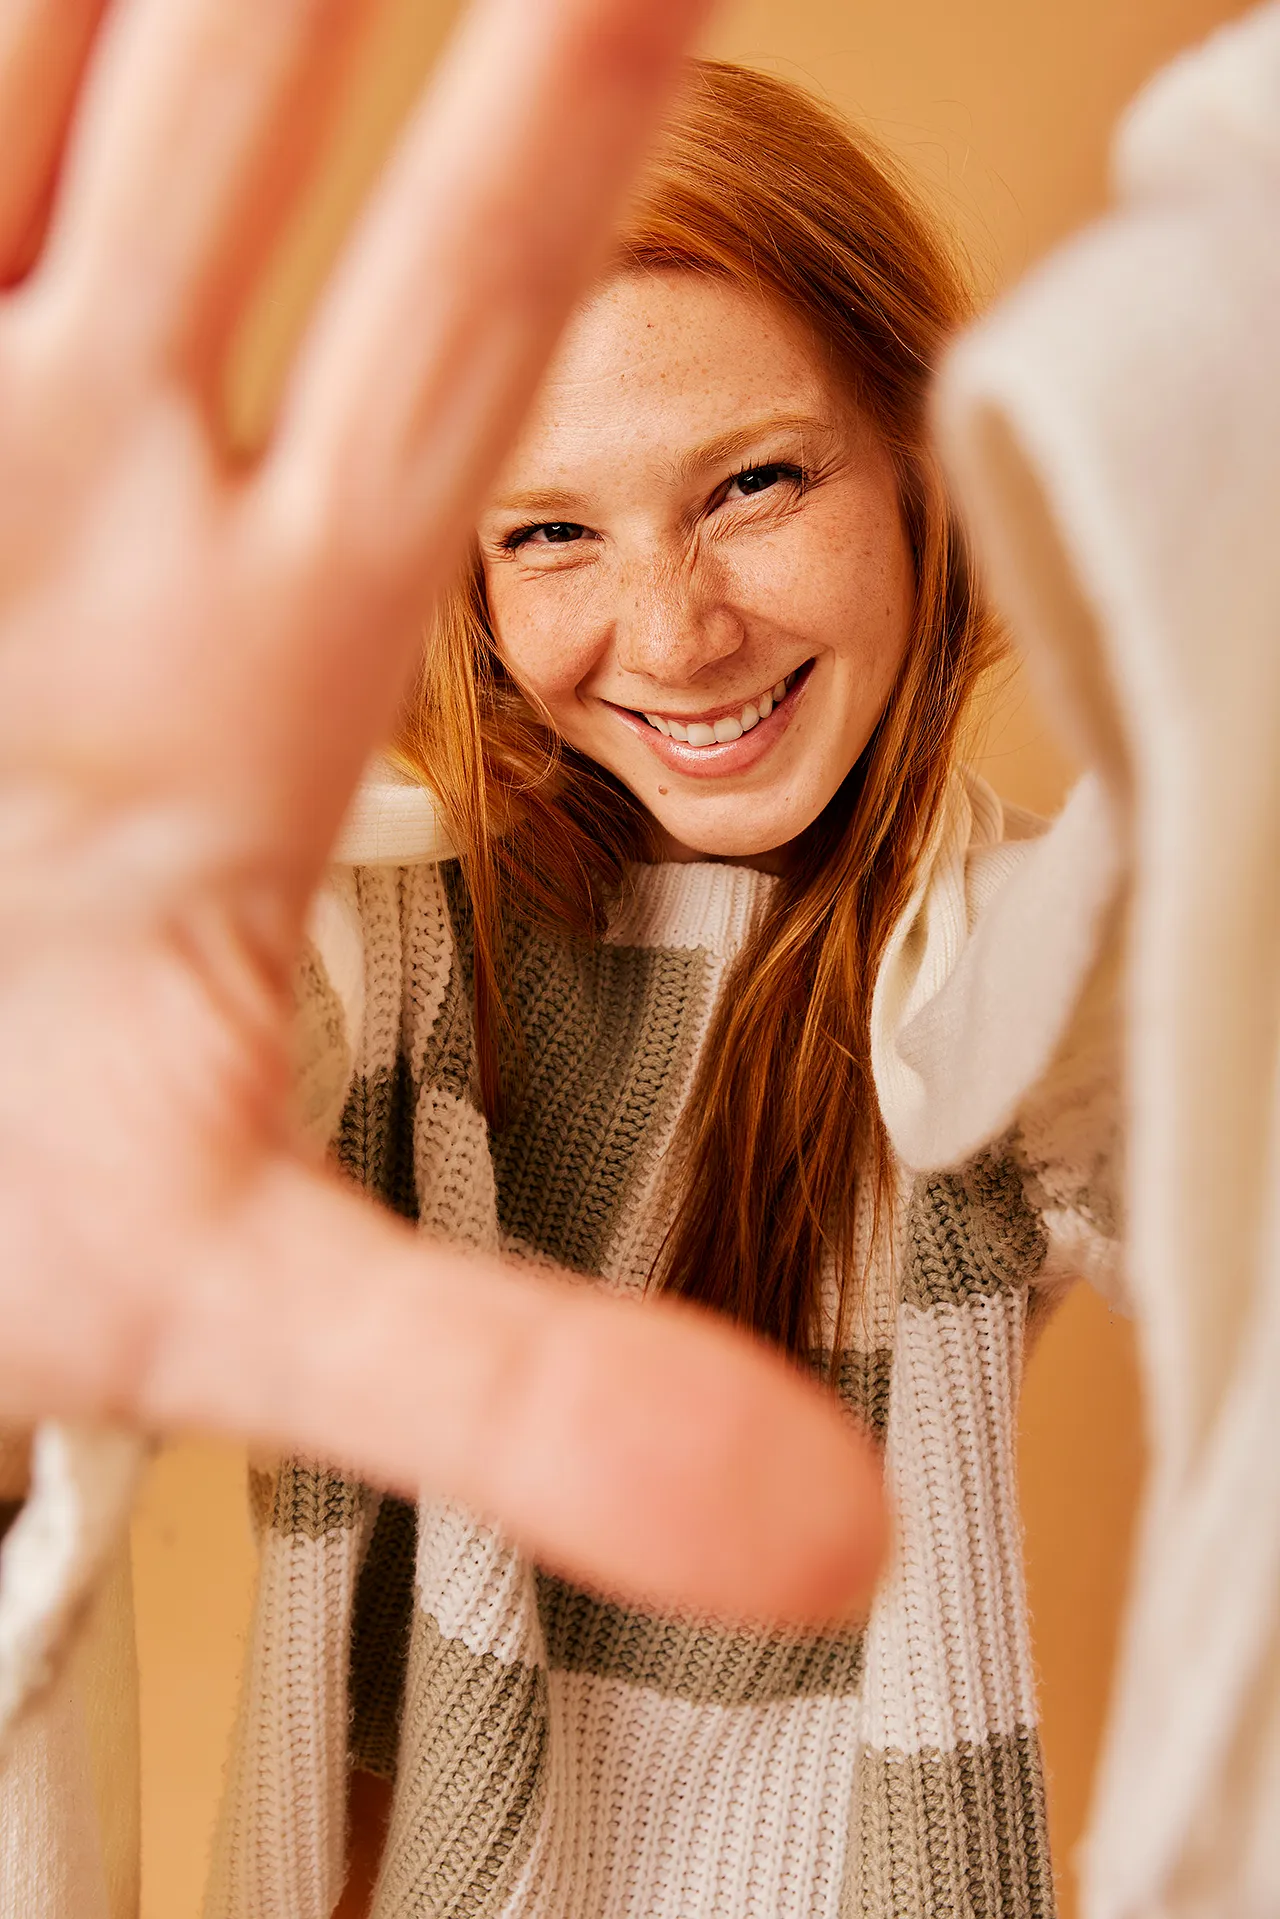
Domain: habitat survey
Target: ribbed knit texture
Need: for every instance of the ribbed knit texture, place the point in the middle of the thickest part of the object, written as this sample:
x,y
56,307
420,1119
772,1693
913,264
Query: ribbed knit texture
x,y
560,1756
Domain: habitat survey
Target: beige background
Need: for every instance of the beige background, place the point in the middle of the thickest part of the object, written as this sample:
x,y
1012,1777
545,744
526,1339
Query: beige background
x,y
1004,106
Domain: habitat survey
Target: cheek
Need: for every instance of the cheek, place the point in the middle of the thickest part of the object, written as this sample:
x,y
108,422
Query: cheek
x,y
540,641
842,583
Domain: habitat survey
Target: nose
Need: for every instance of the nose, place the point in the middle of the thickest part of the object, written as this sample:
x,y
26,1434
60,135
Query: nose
x,y
674,621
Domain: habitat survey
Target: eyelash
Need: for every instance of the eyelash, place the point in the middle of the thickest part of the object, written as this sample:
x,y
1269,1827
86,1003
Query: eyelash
x,y
785,469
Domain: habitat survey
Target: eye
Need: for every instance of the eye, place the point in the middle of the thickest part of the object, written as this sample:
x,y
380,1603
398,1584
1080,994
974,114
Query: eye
x,y
545,533
760,479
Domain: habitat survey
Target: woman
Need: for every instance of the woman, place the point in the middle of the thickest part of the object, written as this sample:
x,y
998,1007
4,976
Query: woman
x,y
692,720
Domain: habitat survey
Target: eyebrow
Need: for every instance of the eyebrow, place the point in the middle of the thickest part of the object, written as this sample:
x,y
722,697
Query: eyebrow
x,y
731,445
545,501
551,502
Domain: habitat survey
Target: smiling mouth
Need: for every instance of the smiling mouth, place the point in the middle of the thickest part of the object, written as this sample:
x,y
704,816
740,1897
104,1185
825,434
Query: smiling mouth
x,y
728,726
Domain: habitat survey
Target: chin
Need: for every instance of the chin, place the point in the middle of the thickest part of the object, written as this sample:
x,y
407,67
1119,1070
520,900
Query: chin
x,y
735,846
731,840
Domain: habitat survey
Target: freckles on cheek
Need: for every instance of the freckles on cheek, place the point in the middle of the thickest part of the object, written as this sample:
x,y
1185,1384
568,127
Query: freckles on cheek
x,y
812,581
776,578
540,654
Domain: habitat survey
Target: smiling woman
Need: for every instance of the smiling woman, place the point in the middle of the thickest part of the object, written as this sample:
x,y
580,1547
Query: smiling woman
x,y
720,609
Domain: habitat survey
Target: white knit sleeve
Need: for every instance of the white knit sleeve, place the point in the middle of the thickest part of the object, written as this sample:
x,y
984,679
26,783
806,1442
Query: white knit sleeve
x,y
995,1014
68,1708
1069,1139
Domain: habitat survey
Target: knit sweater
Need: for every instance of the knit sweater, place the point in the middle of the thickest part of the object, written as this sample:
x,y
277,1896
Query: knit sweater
x,y
556,1753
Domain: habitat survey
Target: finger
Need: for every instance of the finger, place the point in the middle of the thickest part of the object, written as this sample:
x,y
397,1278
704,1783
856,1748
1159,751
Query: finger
x,y
644,1449
199,122
43,49
447,301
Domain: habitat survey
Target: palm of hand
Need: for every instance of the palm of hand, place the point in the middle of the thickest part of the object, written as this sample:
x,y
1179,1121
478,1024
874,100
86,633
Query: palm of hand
x,y
194,660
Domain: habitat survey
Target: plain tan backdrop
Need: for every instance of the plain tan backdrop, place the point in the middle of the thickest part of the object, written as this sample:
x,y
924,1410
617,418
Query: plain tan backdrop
x,y
1004,107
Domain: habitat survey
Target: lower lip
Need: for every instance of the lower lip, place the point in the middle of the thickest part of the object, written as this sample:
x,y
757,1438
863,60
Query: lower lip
x,y
727,757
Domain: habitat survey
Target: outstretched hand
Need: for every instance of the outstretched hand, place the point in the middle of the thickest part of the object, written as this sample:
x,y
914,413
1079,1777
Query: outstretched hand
x,y
195,660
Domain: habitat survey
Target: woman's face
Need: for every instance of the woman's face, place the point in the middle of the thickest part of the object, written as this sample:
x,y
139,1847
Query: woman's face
x,y
695,562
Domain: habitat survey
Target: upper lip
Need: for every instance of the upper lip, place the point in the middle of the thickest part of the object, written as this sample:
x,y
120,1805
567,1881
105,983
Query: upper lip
x,y
710,714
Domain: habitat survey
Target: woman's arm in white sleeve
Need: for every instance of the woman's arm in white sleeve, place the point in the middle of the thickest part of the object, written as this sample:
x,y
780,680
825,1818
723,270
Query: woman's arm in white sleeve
x,y
1069,1139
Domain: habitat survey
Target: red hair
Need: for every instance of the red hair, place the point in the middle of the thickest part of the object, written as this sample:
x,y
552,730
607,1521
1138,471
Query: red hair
x,y
782,1141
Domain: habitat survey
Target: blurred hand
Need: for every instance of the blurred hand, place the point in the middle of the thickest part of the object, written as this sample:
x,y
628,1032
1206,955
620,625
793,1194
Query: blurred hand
x,y
195,660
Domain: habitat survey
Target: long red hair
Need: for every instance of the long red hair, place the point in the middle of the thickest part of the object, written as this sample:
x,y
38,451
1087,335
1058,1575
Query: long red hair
x,y
782,1142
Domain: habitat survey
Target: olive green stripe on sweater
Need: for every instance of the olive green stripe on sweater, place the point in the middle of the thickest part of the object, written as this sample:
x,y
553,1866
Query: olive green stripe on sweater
x,y
610,1036
582,1633
704,1664
308,1501
960,1832
374,1141
471,1785
971,1233
862,1381
381,1622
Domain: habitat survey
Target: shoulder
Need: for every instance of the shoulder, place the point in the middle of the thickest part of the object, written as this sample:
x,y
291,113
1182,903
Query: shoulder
x,y
393,820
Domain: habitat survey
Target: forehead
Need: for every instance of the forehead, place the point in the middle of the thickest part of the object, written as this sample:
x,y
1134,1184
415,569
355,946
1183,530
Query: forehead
x,y
659,361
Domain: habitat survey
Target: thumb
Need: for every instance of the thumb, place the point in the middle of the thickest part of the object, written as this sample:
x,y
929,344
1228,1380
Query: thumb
x,y
639,1447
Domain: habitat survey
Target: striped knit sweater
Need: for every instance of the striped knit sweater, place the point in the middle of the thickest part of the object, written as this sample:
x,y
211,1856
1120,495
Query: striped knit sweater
x,y
560,1756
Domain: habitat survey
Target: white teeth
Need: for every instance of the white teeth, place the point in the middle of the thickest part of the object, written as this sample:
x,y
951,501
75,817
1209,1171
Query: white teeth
x,y
727,727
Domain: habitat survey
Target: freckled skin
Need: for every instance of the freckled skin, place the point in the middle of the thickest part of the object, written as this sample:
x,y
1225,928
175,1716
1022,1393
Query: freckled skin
x,y
659,582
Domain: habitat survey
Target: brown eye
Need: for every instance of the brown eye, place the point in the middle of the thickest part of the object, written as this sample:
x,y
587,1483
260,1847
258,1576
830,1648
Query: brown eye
x,y
547,533
761,479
